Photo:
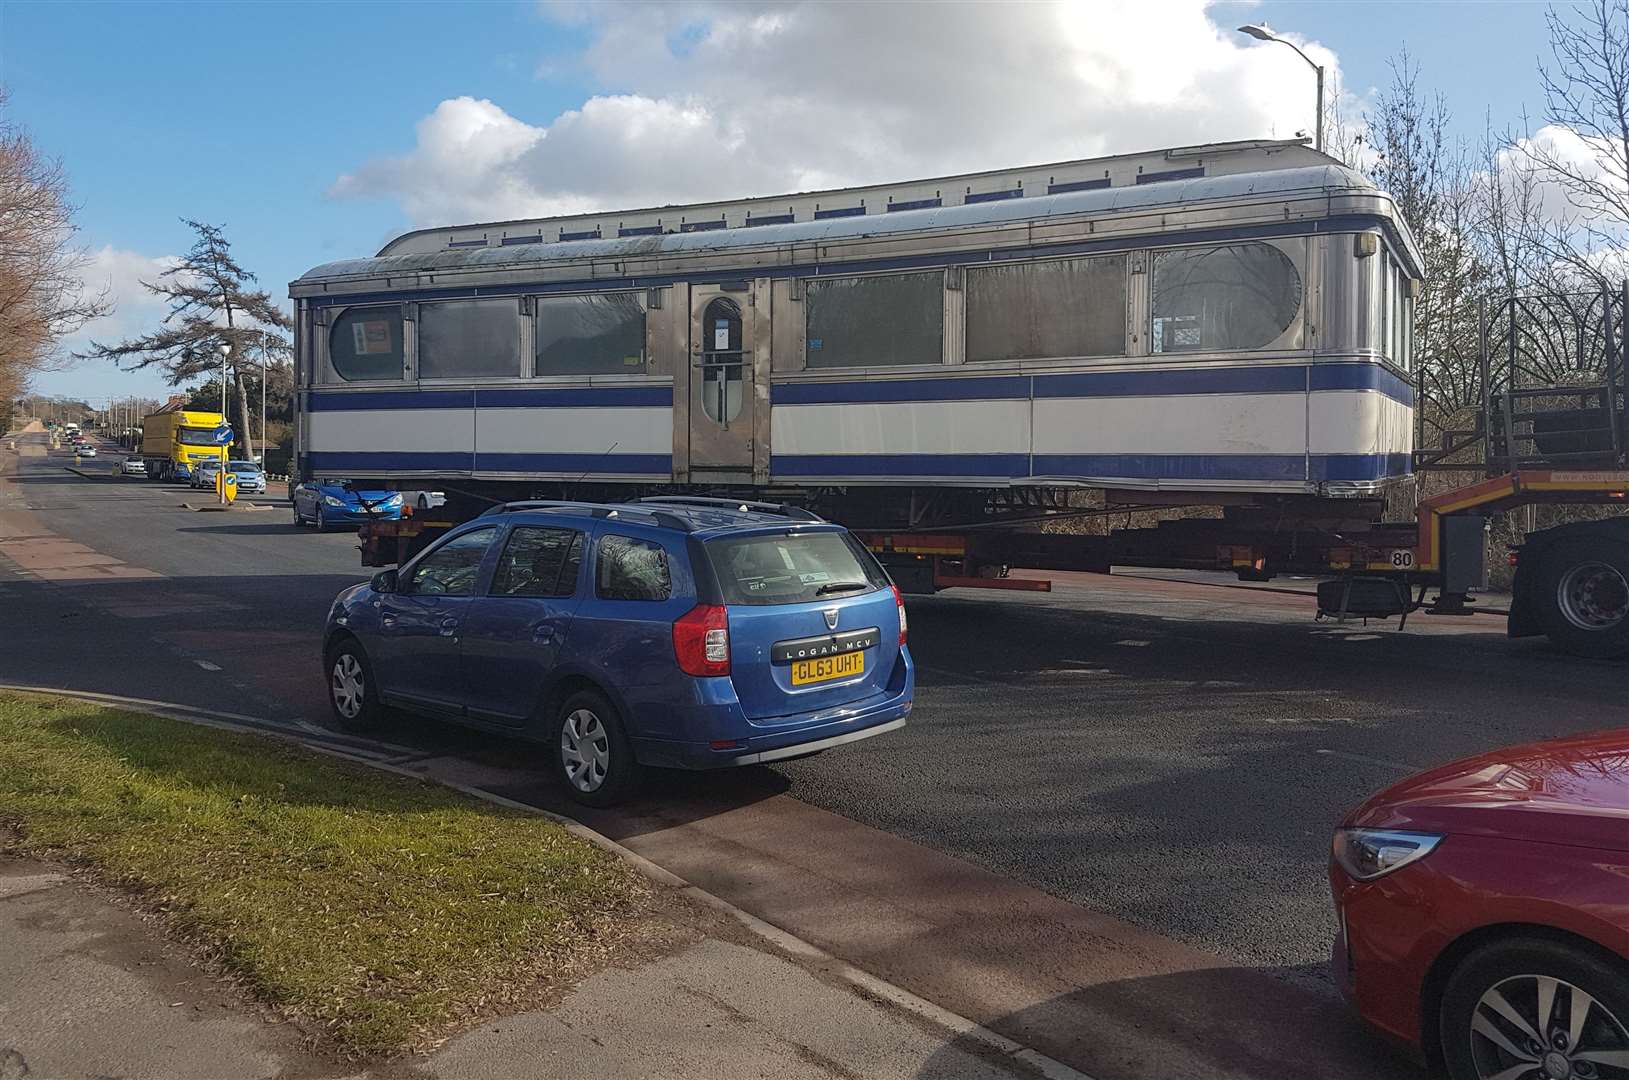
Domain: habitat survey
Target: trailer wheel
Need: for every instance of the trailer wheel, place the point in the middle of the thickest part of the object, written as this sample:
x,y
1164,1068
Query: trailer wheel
x,y
1583,597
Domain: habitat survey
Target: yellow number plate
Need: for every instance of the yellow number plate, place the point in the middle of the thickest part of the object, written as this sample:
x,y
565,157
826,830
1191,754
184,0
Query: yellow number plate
x,y
827,667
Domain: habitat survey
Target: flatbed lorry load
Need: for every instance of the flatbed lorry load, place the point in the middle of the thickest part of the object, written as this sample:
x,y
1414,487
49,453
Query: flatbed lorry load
x,y
176,442
948,367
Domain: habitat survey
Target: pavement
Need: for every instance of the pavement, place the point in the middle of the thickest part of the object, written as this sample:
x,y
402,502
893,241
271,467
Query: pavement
x,y
90,989
1103,834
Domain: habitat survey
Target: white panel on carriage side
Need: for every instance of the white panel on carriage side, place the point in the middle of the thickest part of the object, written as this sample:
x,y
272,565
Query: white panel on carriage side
x,y
1358,422
1187,424
902,427
584,430
401,431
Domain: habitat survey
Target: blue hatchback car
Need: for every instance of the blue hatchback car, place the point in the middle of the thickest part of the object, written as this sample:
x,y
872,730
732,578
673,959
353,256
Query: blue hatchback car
x,y
673,632
326,503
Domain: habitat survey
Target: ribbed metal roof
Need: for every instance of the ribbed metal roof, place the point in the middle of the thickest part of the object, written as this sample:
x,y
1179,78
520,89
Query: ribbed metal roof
x,y
1330,180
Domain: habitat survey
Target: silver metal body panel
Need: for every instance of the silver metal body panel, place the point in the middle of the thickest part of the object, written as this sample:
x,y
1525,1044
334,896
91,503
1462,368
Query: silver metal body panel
x,y
1326,393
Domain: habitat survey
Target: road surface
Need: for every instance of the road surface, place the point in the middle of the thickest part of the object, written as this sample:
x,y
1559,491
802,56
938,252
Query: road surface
x,y
1162,752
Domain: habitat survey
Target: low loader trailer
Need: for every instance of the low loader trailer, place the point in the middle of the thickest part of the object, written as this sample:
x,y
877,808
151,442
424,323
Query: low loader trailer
x,y
1194,356
1535,441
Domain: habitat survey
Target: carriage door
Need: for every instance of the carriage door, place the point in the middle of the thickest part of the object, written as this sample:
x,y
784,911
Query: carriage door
x,y
722,401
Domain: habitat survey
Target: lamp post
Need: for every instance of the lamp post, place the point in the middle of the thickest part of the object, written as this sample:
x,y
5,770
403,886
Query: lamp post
x,y
1261,33
262,458
226,351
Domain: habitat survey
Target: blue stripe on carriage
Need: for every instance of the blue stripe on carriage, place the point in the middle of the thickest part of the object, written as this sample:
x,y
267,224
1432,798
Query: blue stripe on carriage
x,y
367,462
1175,466
645,464
359,400
1157,382
1154,382
558,397
976,388
992,465
1288,467
590,464
1361,377
1361,466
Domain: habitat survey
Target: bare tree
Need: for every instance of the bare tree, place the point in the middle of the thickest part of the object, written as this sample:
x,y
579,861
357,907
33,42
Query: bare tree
x,y
1586,91
43,297
1413,156
211,305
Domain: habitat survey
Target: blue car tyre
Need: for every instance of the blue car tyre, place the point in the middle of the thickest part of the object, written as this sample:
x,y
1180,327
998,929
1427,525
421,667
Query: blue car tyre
x,y
352,693
322,521
591,751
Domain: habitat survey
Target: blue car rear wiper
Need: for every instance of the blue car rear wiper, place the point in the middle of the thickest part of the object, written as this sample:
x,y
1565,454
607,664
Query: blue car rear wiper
x,y
841,586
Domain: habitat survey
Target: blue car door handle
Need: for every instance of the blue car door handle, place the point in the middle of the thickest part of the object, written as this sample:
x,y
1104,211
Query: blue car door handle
x,y
449,626
543,633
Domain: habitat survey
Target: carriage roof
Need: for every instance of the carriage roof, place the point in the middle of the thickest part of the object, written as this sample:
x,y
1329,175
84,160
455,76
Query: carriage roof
x,y
1329,179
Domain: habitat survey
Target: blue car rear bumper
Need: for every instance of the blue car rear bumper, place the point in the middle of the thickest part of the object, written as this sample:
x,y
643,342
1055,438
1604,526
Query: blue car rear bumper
x,y
738,740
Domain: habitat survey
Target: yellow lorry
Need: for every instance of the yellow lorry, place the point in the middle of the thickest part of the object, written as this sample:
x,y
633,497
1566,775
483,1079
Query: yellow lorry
x,y
174,444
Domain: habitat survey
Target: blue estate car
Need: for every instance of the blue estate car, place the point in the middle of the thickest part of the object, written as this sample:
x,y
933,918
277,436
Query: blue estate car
x,y
325,503
682,633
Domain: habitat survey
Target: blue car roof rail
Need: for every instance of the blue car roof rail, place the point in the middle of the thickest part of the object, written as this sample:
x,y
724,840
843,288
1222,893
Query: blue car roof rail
x,y
599,510
797,513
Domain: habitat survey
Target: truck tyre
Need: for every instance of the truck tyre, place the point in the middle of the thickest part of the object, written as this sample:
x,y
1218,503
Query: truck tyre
x,y
590,751
1583,597
353,695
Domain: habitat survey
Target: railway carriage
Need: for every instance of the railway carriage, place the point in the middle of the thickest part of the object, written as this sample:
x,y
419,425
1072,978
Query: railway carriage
x,y
1229,318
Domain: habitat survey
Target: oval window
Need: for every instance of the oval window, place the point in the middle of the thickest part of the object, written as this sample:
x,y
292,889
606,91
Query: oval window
x,y
1232,296
366,343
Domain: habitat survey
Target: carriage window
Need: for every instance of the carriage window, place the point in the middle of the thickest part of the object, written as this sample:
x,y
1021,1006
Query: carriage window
x,y
876,321
590,335
469,338
1405,356
1399,308
1067,307
1388,304
366,343
1236,296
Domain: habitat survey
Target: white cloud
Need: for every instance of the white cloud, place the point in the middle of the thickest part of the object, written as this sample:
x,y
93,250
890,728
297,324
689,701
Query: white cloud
x,y
713,100
135,311
1567,148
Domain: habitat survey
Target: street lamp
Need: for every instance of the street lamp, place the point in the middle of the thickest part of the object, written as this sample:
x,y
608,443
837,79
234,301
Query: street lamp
x,y
1261,33
226,351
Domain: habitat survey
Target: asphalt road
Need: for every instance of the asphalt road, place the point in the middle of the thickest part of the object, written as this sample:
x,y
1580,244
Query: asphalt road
x,y
1168,752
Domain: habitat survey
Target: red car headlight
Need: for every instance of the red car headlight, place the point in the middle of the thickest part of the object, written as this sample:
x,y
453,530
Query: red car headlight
x,y
1366,854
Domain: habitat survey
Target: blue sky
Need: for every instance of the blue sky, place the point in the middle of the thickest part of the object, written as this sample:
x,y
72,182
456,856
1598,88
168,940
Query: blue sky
x,y
246,114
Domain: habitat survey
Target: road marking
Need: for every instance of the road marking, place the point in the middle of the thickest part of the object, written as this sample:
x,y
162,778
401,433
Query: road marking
x,y
206,665
1398,765
1133,643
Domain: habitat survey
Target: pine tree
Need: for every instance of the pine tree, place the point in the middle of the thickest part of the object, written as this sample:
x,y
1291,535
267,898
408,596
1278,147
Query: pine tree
x,y
211,305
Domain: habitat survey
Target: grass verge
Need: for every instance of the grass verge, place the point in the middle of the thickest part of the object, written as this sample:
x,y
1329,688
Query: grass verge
x,y
373,908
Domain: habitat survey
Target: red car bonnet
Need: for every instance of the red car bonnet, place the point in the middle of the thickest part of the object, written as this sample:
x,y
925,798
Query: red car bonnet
x,y
1572,791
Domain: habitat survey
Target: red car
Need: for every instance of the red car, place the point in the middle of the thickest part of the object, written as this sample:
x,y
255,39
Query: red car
x,y
1484,912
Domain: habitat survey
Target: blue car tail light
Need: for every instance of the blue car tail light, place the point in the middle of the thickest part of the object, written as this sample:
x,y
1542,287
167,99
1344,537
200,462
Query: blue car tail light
x,y
701,640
